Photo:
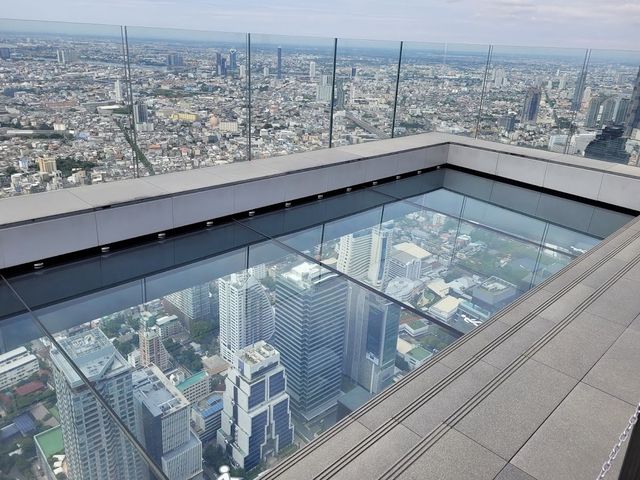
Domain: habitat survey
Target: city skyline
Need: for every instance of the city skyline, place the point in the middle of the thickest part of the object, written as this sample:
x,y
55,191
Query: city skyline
x,y
524,21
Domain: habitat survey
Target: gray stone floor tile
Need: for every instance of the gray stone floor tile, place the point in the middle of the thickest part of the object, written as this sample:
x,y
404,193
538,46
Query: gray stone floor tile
x,y
398,401
580,345
472,344
604,273
617,371
563,306
515,313
629,252
314,461
518,343
379,456
510,414
455,457
436,410
511,472
576,439
620,303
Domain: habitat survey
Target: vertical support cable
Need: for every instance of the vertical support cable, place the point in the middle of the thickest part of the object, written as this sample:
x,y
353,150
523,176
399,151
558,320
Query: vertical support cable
x,y
333,91
248,96
134,133
128,100
580,85
484,87
395,101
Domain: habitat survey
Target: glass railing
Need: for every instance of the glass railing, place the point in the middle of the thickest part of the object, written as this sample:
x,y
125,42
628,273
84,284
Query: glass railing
x,y
84,104
135,360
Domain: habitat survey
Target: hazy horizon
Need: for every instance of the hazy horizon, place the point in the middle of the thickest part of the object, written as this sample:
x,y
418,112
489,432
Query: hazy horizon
x,y
578,24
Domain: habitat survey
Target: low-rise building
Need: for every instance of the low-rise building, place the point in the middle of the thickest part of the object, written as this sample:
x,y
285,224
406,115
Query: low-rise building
x,y
16,366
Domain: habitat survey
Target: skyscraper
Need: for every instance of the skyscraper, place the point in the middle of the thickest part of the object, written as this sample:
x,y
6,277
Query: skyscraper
x,y
140,113
633,115
354,253
246,314
218,61
578,93
222,70
353,72
256,420
152,351
622,109
371,339
65,56
312,69
94,446
531,106
340,94
279,68
118,91
163,425
381,241
175,60
233,59
193,303
310,321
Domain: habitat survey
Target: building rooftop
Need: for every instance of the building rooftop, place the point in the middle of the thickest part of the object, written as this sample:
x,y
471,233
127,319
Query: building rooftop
x,y
192,380
50,442
157,392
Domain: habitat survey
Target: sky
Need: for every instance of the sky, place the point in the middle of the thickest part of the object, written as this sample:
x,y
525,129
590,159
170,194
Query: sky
x,y
598,24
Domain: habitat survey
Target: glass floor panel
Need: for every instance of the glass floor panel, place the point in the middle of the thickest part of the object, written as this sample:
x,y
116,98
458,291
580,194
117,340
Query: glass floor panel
x,y
282,323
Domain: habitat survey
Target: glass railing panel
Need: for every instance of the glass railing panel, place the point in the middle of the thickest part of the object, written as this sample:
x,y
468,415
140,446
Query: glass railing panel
x,y
607,119
529,95
189,98
291,85
440,88
339,344
63,107
54,424
364,92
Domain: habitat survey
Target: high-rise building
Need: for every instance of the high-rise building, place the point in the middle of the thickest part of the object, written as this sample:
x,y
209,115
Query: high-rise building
x,y
498,77
5,53
531,106
94,446
353,72
47,165
323,93
381,241
164,425
193,303
256,420
218,61
601,111
354,253
175,60
340,94
370,340
245,312
310,321
118,91
578,93
312,69
65,56
206,417
633,115
622,109
152,351
140,113
279,66
233,59
222,68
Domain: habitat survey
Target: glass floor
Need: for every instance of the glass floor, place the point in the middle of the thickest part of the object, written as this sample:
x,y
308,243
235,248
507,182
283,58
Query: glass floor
x,y
239,343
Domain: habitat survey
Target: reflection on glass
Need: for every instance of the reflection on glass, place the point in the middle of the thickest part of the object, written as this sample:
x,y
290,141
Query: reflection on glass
x,y
440,88
529,96
607,112
189,98
63,107
291,81
264,332
364,93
